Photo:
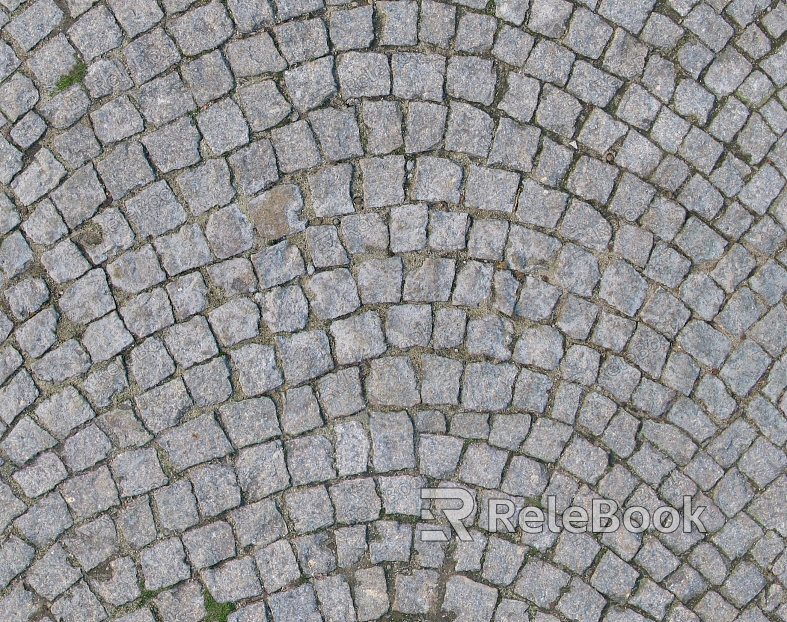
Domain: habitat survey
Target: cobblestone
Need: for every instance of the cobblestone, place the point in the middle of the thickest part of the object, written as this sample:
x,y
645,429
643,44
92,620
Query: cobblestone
x,y
266,268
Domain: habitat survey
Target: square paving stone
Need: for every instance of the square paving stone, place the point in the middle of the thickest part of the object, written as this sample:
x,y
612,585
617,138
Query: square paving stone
x,y
202,28
295,147
263,104
310,84
174,146
418,76
137,17
206,186
383,180
364,74
150,55
164,564
309,508
223,126
150,363
469,599
95,33
337,131
252,56
392,382
351,29
469,130
392,441
195,441
210,544
208,77
340,394
471,78
330,190
258,484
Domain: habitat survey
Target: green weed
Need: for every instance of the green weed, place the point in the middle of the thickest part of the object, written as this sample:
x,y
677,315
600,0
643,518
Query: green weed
x,y
72,77
217,612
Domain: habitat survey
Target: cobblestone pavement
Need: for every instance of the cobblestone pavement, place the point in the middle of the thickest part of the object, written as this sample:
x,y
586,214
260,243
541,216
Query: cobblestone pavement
x,y
269,269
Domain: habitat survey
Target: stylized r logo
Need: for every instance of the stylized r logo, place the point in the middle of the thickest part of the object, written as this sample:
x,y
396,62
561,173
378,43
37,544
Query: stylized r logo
x,y
455,516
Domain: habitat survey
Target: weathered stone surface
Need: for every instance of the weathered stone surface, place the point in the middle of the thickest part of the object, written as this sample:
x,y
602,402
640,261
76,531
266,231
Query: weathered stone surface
x,y
268,265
